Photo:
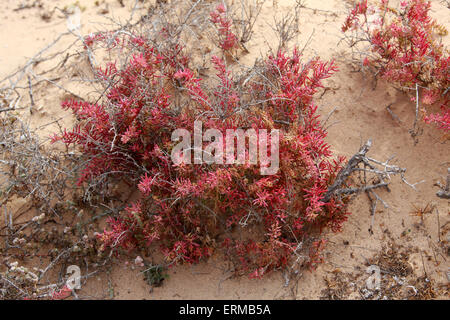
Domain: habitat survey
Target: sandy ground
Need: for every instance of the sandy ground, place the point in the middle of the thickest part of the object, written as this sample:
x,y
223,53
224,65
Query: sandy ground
x,y
360,114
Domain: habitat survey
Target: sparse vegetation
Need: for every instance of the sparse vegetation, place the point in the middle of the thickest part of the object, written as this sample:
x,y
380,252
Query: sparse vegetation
x,y
94,184
404,49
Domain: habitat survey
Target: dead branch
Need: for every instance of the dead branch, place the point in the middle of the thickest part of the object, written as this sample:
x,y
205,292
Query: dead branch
x,y
22,71
393,115
380,172
288,26
250,11
345,173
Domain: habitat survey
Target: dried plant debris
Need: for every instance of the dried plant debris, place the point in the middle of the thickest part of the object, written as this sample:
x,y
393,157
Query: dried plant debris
x,y
393,259
27,168
419,211
338,286
397,279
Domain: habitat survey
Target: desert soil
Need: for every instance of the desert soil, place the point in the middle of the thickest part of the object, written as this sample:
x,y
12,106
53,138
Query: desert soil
x,y
360,114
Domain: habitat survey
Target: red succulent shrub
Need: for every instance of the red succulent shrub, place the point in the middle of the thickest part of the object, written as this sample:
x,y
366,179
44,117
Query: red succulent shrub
x,y
191,210
404,50
442,120
219,17
61,294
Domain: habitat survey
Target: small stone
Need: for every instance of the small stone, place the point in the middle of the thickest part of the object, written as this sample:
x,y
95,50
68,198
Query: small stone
x,y
139,261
